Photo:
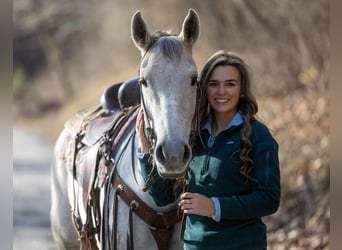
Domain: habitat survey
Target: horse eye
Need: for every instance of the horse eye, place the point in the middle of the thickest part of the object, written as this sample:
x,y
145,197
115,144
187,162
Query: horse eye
x,y
142,81
194,80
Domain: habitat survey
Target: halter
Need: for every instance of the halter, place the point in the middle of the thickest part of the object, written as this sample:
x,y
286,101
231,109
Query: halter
x,y
151,136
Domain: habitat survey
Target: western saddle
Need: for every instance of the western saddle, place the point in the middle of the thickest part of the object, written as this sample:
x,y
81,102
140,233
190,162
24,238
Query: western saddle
x,y
93,129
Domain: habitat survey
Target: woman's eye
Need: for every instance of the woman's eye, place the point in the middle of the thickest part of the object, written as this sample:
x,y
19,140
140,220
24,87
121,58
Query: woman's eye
x,y
229,83
212,84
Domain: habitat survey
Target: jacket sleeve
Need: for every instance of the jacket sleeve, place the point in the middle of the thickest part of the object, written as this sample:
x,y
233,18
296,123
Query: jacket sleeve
x,y
161,190
264,196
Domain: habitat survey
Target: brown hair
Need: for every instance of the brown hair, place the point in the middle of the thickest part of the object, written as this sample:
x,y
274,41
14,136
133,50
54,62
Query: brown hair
x,y
247,103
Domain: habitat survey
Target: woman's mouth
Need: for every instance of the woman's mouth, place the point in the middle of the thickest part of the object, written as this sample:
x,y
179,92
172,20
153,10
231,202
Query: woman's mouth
x,y
221,100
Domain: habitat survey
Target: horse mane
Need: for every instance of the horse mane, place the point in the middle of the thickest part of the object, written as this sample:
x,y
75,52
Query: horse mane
x,y
170,45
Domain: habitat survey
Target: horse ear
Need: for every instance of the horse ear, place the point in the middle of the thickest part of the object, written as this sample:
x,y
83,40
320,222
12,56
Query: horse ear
x,y
191,28
139,33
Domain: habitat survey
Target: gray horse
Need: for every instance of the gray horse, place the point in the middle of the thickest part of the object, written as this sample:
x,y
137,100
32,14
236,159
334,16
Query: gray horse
x,y
167,77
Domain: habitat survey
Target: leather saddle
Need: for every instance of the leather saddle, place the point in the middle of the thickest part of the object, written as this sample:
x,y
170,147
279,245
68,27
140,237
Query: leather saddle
x,y
89,127
121,96
95,121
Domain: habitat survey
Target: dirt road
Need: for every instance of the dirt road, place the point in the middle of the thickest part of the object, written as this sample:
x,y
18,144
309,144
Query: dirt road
x,y
31,192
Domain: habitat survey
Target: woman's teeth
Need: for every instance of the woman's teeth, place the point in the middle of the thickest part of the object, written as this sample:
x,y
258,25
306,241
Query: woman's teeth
x,y
221,99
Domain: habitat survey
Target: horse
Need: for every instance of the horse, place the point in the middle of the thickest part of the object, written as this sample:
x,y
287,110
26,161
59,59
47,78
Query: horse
x,y
98,196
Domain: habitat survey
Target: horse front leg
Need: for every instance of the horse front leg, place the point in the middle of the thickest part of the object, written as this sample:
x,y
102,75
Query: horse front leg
x,y
63,231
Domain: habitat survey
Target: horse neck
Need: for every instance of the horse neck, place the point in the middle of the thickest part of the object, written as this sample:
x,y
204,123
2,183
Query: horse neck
x,y
129,169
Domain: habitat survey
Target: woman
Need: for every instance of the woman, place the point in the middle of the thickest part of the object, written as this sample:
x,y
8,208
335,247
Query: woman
x,y
233,178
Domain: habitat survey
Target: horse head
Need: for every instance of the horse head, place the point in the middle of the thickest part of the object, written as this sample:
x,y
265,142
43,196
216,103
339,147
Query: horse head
x,y
168,77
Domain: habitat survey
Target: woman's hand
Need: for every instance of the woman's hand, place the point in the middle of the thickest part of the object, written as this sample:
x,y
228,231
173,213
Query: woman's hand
x,y
144,144
193,203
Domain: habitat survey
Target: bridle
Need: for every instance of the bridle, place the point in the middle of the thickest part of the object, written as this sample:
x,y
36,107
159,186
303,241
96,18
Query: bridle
x,y
151,136
195,125
150,133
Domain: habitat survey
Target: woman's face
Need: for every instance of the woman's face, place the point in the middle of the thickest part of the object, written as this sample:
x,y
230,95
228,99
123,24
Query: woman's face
x,y
224,90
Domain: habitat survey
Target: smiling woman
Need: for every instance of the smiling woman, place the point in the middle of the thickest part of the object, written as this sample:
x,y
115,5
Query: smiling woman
x,y
224,90
233,178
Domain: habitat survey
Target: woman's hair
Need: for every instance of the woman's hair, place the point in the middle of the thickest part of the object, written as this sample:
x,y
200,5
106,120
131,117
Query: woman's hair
x,y
247,103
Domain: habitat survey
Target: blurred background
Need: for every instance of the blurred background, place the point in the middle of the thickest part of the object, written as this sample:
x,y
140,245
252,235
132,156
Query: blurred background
x,y
65,53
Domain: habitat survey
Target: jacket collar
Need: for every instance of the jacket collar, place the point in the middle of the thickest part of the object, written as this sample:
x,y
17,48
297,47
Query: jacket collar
x,y
236,121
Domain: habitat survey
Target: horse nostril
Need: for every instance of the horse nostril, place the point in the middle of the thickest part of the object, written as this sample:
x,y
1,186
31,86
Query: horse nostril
x,y
160,154
173,156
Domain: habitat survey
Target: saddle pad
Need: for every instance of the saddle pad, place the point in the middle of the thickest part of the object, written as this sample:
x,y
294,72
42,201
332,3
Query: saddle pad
x,y
77,123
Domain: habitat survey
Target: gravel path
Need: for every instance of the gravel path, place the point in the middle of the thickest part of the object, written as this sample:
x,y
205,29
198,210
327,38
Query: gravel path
x,y
31,192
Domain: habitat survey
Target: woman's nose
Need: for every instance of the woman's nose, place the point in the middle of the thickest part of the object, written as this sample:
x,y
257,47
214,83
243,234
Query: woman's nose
x,y
221,89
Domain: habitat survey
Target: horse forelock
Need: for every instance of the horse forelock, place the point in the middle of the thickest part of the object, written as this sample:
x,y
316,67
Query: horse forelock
x,y
169,44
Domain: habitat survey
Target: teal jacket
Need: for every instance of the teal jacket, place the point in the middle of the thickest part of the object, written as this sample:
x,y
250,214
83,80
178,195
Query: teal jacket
x,y
214,172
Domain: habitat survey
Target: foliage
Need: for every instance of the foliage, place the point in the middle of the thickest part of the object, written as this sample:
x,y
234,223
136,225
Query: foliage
x,y
18,82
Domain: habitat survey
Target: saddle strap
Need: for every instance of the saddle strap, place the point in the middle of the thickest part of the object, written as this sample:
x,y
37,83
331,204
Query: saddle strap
x,y
88,244
87,234
129,238
162,237
161,225
115,217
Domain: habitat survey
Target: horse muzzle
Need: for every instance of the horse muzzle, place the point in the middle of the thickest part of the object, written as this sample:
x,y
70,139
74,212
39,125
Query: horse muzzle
x,y
172,159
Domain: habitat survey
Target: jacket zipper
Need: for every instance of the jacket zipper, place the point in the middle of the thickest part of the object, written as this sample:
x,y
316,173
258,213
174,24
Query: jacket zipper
x,y
205,167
